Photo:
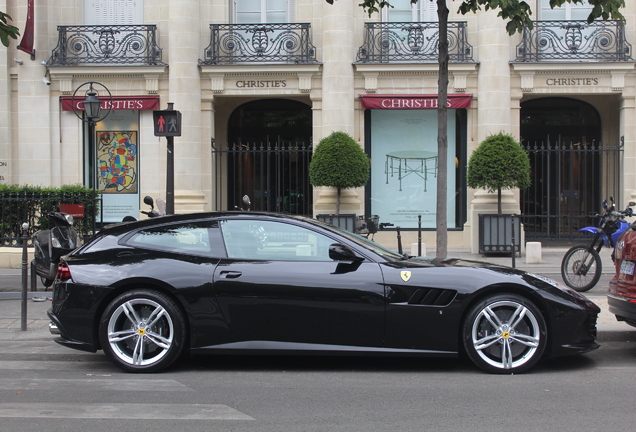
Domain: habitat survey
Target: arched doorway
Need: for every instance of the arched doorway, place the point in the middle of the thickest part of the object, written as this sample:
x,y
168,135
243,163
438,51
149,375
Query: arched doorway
x,y
571,168
268,155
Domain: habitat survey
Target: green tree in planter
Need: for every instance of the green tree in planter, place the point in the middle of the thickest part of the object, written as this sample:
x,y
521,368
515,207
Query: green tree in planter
x,y
499,163
338,161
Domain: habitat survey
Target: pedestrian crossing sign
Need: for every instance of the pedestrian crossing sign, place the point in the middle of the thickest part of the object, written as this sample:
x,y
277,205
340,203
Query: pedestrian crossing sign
x,y
167,123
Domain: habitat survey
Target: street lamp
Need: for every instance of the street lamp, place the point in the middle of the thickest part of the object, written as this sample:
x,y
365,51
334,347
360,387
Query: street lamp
x,y
93,114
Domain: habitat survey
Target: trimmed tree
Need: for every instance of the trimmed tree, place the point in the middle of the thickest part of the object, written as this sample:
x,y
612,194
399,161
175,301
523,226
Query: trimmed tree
x,y
338,161
499,163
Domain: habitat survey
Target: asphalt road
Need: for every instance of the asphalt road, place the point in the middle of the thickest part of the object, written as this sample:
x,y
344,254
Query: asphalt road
x,y
46,387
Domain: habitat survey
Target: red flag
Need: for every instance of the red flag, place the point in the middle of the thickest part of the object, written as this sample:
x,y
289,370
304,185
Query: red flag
x,y
26,44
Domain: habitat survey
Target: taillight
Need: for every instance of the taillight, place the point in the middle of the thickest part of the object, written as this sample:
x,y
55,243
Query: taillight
x,y
63,272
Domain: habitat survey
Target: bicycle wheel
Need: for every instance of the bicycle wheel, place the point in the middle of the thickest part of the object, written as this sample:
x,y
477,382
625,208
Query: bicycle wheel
x,y
581,268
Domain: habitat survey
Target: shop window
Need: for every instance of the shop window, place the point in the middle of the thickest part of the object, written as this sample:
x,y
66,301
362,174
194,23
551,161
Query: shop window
x,y
404,166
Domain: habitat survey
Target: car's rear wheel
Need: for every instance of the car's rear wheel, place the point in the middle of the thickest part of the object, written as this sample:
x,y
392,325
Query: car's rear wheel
x,y
142,331
505,333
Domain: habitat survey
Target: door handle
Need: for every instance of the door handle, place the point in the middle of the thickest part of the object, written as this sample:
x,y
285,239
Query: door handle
x,y
230,274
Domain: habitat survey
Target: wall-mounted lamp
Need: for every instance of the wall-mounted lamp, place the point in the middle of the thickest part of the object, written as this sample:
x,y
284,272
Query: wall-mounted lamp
x,y
18,60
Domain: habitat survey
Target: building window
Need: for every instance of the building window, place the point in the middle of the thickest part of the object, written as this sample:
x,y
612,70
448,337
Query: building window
x,y
113,12
404,166
567,12
261,11
404,11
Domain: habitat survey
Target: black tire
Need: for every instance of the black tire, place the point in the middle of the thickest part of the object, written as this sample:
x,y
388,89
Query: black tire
x,y
505,333
135,343
581,268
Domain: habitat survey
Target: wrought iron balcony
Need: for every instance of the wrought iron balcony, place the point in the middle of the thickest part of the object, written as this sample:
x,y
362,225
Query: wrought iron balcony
x,y
600,41
106,45
412,42
259,43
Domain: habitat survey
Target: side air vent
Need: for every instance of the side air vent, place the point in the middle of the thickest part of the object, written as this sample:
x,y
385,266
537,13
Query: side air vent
x,y
432,297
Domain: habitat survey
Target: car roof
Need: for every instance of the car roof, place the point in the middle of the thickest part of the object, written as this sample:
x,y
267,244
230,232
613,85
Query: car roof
x,y
117,228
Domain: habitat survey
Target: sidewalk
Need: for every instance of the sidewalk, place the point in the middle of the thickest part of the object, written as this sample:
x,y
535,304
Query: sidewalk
x,y
37,323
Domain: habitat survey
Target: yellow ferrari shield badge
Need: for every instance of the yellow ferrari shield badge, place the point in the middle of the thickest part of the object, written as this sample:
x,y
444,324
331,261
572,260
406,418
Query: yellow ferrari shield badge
x,y
406,275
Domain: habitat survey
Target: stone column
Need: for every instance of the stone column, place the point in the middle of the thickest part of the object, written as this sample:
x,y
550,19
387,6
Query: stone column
x,y
495,109
338,94
185,93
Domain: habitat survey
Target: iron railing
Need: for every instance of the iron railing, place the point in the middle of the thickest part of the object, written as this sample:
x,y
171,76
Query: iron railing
x,y
569,183
602,41
33,208
412,42
106,45
274,176
259,43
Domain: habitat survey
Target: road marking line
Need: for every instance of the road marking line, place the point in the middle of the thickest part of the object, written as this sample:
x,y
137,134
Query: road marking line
x,y
122,411
144,385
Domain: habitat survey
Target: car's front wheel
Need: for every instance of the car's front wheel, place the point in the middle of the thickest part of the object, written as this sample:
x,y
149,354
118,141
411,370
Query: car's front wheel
x,y
142,331
505,333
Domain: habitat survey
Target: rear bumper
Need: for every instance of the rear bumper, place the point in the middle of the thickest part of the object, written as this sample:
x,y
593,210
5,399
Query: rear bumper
x,y
624,308
55,327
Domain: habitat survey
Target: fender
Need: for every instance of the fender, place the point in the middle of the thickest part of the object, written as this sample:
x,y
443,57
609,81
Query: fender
x,y
593,230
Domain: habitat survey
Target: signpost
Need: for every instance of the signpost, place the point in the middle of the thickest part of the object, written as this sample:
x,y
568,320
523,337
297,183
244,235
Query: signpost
x,y
167,123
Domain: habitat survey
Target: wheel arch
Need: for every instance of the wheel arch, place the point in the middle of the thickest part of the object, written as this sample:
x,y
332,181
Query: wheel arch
x,y
135,284
498,289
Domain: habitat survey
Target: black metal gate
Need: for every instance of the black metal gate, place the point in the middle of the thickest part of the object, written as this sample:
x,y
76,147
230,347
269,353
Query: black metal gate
x,y
274,175
569,182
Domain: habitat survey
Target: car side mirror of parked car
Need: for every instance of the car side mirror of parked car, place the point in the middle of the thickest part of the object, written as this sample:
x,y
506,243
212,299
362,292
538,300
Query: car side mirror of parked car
x,y
340,252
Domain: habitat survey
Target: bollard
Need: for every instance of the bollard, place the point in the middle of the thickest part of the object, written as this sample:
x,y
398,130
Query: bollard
x,y
25,275
418,249
533,253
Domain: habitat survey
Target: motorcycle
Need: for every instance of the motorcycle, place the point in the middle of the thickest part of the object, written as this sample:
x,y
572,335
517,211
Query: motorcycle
x,y
51,244
581,266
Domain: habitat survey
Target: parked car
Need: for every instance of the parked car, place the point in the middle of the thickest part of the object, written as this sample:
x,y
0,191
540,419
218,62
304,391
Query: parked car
x,y
621,295
250,283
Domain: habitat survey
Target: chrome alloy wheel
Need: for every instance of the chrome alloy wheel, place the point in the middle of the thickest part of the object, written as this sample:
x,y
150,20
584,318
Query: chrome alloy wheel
x,y
140,332
506,334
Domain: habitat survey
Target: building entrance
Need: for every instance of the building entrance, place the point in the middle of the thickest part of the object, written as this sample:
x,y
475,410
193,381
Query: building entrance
x,y
267,156
572,170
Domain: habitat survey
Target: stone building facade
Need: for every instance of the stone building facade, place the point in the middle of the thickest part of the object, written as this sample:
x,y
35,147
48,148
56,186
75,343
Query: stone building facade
x,y
272,77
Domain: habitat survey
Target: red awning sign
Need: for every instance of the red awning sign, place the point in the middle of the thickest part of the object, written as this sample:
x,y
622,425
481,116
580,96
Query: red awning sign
x,y
142,103
455,101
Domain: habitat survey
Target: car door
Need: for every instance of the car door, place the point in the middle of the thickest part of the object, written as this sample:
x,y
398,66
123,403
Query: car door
x,y
279,284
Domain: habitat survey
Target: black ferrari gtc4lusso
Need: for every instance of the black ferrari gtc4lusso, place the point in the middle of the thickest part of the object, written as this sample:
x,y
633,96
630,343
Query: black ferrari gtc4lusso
x,y
250,283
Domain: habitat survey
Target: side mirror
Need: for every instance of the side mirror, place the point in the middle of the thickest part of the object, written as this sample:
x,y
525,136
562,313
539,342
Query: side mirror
x,y
340,252
149,201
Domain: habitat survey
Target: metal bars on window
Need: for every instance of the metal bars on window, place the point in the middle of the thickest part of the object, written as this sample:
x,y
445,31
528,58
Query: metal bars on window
x,y
274,175
569,182
412,42
259,43
106,45
602,41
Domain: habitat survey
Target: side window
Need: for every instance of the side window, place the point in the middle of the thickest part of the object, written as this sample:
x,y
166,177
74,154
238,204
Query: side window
x,y
261,11
267,240
111,12
567,12
404,11
200,238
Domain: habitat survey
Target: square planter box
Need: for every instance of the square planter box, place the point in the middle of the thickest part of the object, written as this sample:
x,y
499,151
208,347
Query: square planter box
x,y
344,221
496,232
